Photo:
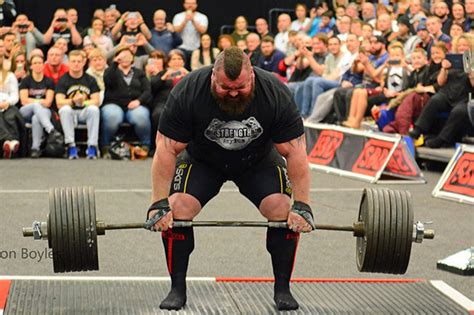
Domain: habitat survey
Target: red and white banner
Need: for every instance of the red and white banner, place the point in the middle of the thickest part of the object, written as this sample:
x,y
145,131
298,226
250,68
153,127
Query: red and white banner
x,y
4,289
366,155
457,181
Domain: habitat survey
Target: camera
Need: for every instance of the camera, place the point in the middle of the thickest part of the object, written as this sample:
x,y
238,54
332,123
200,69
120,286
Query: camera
x,y
23,26
394,62
131,40
132,15
175,74
62,19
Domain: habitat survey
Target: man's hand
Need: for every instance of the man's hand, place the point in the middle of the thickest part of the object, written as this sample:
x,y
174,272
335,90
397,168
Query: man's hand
x,y
165,223
78,99
133,104
297,223
445,64
4,105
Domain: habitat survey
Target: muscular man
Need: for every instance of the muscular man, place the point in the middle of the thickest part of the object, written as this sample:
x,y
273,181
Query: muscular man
x,y
231,122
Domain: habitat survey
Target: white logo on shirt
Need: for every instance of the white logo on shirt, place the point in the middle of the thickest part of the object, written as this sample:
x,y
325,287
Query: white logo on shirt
x,y
233,135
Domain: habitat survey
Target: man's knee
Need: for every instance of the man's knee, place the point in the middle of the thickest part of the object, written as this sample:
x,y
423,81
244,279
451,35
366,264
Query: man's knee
x,y
184,206
93,111
65,111
275,207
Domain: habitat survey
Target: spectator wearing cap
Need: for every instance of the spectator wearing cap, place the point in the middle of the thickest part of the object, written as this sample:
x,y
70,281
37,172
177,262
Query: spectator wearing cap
x,y
127,94
441,10
425,40
434,26
405,30
281,39
190,24
163,35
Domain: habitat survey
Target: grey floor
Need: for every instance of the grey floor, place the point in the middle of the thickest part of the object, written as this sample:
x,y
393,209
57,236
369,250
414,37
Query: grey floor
x,y
123,195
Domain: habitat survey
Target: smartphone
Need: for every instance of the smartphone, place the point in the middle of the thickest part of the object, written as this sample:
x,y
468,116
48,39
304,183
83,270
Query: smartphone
x,y
394,62
132,15
175,74
113,7
19,68
23,26
131,40
310,48
62,20
456,61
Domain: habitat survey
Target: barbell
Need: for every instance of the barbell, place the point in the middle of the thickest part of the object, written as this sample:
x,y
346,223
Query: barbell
x,y
384,230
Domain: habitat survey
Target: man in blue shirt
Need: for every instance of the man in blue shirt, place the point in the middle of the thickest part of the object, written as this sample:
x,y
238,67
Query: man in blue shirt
x,y
163,36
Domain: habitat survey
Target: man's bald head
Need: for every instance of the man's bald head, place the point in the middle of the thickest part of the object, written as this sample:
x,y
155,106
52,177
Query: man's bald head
x,y
232,60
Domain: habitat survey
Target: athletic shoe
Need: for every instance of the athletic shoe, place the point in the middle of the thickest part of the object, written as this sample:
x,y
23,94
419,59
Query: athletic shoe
x,y
91,153
10,147
34,154
72,153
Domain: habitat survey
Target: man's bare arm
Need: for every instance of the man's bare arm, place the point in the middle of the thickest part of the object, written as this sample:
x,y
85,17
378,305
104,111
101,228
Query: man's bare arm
x,y
163,165
294,152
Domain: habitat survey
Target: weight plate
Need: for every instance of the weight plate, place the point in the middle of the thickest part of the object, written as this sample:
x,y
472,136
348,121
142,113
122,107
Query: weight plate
x,y
381,229
82,230
361,241
93,218
68,212
368,246
52,237
91,233
408,234
76,227
393,233
59,230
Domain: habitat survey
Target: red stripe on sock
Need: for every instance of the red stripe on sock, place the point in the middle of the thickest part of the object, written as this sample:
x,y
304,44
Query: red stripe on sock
x,y
4,289
170,255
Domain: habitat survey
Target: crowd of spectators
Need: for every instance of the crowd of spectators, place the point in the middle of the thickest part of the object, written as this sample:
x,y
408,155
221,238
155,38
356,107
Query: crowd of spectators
x,y
344,65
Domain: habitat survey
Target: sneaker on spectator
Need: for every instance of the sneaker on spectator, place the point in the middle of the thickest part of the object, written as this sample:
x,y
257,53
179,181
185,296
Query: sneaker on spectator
x,y
91,153
72,153
10,147
34,154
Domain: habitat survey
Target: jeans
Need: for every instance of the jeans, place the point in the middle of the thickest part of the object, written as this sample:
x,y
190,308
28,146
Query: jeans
x,y
305,96
40,119
113,115
71,117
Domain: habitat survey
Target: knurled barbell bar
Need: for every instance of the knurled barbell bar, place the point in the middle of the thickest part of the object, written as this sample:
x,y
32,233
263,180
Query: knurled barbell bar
x,y
385,229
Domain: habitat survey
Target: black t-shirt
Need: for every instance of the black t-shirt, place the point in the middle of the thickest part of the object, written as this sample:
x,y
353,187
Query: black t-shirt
x,y
69,86
37,89
457,87
232,144
66,34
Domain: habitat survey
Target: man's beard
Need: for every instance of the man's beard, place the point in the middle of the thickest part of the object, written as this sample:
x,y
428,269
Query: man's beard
x,y
234,106
441,16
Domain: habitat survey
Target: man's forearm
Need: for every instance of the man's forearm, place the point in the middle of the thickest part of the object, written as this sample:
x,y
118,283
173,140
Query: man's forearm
x,y
298,173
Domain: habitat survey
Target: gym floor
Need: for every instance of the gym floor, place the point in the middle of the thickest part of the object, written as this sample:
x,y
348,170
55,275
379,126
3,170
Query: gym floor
x,y
123,195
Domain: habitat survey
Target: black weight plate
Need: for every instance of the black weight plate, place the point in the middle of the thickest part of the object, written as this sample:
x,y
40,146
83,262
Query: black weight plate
x,y
406,250
91,240
53,234
59,231
368,217
380,209
403,232
393,233
71,242
399,236
64,229
361,241
77,253
82,229
93,218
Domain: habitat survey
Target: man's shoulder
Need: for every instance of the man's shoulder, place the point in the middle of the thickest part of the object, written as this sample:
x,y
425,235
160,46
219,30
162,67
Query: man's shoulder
x,y
194,83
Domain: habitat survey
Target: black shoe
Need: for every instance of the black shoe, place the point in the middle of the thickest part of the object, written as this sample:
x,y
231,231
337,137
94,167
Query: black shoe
x,y
34,154
436,142
414,133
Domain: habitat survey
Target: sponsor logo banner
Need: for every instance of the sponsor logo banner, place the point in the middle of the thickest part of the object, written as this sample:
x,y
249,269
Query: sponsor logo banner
x,y
461,179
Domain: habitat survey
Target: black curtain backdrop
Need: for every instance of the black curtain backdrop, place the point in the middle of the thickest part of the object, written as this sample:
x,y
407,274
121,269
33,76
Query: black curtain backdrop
x,y
219,12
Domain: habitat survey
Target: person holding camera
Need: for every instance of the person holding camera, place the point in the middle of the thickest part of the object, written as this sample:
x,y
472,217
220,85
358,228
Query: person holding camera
x,y
134,26
97,38
127,92
28,36
63,27
163,35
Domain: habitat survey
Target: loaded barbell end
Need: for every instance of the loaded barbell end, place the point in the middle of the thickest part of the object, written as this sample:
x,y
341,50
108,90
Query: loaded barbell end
x,y
419,232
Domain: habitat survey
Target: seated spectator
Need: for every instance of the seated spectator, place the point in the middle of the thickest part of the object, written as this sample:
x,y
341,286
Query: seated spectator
x,y
281,39
134,26
415,12
11,122
405,30
134,43
469,6
253,48
242,44
302,20
411,105
97,36
87,48
62,27
356,28
205,54
352,10
384,27
261,26
96,69
27,34
19,65
425,41
240,29
314,25
455,86
62,45
271,56
155,64
456,30
335,65
175,70
367,31
441,10
163,35
36,98
225,41
78,98
99,14
11,45
459,13
343,27
54,67
435,28
127,93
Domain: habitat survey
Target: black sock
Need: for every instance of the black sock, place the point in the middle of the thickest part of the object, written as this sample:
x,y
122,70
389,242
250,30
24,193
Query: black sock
x,y
415,133
178,244
282,244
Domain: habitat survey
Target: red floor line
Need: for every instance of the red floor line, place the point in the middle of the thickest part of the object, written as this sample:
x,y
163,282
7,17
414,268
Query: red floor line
x,y
4,289
224,279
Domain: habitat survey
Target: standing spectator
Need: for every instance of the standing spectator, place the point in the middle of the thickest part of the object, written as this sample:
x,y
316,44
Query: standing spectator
x,y
19,65
190,24
253,48
61,26
281,39
97,36
240,29
127,93
205,54
7,12
54,67
163,35
302,20
110,21
261,25
73,16
97,66
315,18
77,98
36,97
134,27
225,41
405,30
62,45
27,34
271,56
434,26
